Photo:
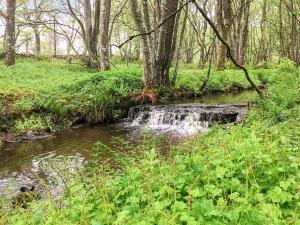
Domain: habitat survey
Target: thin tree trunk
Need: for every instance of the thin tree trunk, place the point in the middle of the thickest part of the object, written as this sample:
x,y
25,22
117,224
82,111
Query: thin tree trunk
x,y
180,44
210,56
104,36
54,37
294,34
244,33
281,38
10,51
262,53
203,56
37,40
221,49
148,28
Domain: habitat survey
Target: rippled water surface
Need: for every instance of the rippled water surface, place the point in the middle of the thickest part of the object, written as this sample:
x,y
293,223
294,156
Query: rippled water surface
x,y
19,156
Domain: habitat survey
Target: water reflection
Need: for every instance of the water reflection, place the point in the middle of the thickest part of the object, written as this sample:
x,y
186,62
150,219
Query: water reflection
x,y
19,156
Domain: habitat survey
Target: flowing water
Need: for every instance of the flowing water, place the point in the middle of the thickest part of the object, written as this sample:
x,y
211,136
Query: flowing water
x,y
21,163
185,119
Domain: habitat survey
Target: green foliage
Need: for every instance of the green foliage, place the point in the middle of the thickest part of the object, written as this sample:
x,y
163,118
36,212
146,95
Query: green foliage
x,y
76,93
287,65
283,96
66,91
34,123
220,81
243,174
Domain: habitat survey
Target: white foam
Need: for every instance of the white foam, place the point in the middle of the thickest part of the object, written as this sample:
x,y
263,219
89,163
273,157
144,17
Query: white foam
x,y
184,120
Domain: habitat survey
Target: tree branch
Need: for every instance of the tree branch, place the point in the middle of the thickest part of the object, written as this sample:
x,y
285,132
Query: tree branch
x,y
76,18
229,50
156,28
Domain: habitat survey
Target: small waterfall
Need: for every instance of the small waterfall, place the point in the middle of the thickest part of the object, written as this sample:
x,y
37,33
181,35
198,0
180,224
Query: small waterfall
x,y
185,119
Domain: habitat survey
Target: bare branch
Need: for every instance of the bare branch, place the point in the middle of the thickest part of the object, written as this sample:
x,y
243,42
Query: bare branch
x,y
156,28
229,50
76,17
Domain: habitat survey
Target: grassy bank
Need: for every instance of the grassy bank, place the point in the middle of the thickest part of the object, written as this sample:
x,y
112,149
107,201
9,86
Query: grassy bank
x,y
244,174
44,96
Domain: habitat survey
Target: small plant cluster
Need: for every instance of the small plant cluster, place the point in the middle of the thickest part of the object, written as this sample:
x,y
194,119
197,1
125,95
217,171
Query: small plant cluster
x,y
35,124
244,174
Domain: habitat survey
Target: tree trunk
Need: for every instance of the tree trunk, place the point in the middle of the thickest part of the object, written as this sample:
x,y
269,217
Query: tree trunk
x,y
244,34
190,46
203,56
54,37
10,52
148,28
221,49
37,40
137,50
294,34
262,52
104,37
229,50
164,52
92,59
145,46
180,44
89,30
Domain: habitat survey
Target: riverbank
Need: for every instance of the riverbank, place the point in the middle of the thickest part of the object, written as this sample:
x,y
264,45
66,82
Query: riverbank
x,y
243,174
40,97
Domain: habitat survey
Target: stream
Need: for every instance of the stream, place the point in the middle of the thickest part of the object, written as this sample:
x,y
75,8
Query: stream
x,y
67,150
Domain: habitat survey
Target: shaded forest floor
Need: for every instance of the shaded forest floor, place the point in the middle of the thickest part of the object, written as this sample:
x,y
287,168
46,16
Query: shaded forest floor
x,y
41,96
243,174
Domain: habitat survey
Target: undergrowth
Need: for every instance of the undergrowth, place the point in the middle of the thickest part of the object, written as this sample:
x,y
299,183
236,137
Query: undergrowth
x,y
243,174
